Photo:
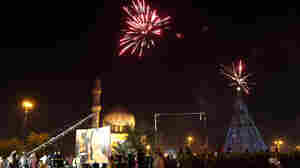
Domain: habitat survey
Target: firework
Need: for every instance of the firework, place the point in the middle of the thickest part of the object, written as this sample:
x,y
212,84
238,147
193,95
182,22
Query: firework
x,y
143,27
237,76
179,35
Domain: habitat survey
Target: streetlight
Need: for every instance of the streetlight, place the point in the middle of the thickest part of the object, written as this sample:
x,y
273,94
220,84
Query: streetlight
x,y
27,107
278,143
190,140
298,148
148,147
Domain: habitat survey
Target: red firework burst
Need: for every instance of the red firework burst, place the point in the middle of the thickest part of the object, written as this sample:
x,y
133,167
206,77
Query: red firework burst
x,y
238,76
142,27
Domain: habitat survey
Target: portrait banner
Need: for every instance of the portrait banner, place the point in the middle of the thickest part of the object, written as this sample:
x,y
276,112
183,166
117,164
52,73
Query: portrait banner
x,y
93,145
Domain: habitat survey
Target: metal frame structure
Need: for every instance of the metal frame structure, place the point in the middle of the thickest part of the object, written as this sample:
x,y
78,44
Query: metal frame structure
x,y
202,117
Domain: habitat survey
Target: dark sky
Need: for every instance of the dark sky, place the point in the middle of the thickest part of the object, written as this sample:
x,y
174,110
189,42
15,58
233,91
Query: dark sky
x,y
53,54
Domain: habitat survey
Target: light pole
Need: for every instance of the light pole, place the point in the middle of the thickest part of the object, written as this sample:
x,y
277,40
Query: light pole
x,y
27,107
278,143
190,140
203,117
148,147
155,129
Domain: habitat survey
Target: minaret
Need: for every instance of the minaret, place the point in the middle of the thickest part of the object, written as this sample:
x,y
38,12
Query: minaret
x,y
96,107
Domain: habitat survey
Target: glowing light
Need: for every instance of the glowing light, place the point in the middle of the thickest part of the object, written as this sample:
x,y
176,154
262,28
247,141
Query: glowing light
x,y
118,138
148,147
96,108
190,140
143,27
237,76
120,117
27,105
179,35
240,67
278,143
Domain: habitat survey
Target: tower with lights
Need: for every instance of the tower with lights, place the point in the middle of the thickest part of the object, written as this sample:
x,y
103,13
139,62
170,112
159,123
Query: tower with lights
x,y
242,134
96,107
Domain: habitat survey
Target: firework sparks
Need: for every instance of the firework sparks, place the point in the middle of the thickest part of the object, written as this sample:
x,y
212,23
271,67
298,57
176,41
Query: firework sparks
x,y
237,75
142,27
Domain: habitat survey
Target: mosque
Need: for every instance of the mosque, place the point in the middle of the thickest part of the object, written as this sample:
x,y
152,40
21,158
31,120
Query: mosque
x,y
118,118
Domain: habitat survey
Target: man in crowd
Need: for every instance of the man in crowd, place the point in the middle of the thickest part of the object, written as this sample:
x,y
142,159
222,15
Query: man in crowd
x,y
23,162
158,159
33,160
1,162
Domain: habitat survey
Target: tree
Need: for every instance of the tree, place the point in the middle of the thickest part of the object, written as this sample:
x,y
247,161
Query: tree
x,y
137,139
9,145
34,140
122,149
16,144
4,147
37,139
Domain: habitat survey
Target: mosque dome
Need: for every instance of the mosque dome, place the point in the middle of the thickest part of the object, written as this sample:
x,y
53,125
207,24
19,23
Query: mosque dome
x,y
118,118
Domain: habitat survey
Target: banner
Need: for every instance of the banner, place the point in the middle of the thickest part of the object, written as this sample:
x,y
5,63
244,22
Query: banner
x,y
93,145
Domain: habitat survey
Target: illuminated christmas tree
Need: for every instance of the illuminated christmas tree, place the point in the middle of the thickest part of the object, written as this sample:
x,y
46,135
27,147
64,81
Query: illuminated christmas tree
x,y
242,135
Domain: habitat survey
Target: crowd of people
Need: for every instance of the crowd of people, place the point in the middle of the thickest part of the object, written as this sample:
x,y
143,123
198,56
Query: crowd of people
x,y
57,160
15,160
184,158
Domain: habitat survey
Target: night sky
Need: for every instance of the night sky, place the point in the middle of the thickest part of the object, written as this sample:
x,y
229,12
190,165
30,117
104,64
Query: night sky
x,y
53,54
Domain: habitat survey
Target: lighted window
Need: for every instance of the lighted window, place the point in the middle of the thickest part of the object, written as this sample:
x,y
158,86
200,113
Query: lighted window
x,y
113,128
